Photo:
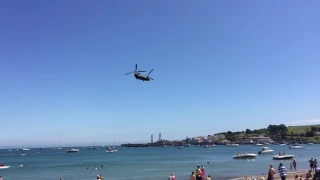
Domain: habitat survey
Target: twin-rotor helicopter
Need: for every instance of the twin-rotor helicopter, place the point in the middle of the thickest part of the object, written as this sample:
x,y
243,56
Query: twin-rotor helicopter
x,y
138,76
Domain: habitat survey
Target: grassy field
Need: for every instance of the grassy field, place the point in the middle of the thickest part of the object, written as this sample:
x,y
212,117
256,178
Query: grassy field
x,y
301,129
294,129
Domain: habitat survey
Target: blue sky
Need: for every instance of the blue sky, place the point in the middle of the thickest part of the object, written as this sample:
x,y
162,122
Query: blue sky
x,y
218,66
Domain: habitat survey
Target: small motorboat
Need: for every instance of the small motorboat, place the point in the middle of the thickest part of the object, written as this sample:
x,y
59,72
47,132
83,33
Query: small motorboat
x,y
111,150
258,144
296,146
2,166
207,147
179,147
94,148
283,144
283,157
265,150
232,145
187,145
72,150
213,145
245,156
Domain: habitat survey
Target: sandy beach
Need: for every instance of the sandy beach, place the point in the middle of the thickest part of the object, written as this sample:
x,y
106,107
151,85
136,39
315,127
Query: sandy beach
x,y
290,175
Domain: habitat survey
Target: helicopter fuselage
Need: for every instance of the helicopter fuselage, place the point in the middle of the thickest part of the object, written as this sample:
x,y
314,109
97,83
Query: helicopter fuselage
x,y
141,77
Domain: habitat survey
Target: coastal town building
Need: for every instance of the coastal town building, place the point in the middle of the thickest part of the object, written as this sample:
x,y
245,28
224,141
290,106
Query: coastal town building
x,y
217,137
258,139
206,139
196,140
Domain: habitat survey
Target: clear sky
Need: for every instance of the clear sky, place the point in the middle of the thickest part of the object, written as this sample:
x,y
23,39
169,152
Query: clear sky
x,y
218,66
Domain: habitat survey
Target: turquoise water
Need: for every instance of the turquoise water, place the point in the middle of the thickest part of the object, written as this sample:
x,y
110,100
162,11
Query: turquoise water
x,y
144,163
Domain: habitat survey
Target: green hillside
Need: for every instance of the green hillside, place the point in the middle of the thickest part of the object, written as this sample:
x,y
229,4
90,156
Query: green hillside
x,y
278,132
301,129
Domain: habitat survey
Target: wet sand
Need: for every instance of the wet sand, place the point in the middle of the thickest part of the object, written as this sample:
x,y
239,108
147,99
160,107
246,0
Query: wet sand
x,y
290,175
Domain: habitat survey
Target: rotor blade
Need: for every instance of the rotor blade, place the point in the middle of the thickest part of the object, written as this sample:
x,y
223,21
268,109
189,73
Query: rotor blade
x,y
129,73
136,67
151,78
141,71
150,72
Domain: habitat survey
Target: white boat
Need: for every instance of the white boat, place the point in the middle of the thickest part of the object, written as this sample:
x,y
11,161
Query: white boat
x,y
265,150
283,157
296,146
310,143
94,147
187,145
245,156
111,150
283,144
179,147
24,149
207,147
213,145
258,144
232,145
72,150
2,166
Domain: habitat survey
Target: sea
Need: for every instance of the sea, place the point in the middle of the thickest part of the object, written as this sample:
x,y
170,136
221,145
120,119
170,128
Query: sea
x,y
144,162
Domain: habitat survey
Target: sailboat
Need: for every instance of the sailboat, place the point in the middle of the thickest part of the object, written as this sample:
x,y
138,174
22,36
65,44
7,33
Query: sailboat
x,y
297,146
112,149
25,149
59,148
114,143
93,145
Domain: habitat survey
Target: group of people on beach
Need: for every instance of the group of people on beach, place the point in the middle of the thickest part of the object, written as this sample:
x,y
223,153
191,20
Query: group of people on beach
x,y
313,164
199,175
283,172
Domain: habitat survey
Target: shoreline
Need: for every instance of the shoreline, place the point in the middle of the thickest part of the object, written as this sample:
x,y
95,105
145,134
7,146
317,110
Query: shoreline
x,y
290,175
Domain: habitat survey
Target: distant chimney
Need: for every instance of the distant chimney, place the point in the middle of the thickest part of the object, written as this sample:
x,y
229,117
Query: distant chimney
x,y
151,138
159,136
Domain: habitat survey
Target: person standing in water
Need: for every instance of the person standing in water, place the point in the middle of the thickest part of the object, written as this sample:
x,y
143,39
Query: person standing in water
x,y
192,176
294,163
209,177
271,173
198,173
172,177
311,161
203,173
